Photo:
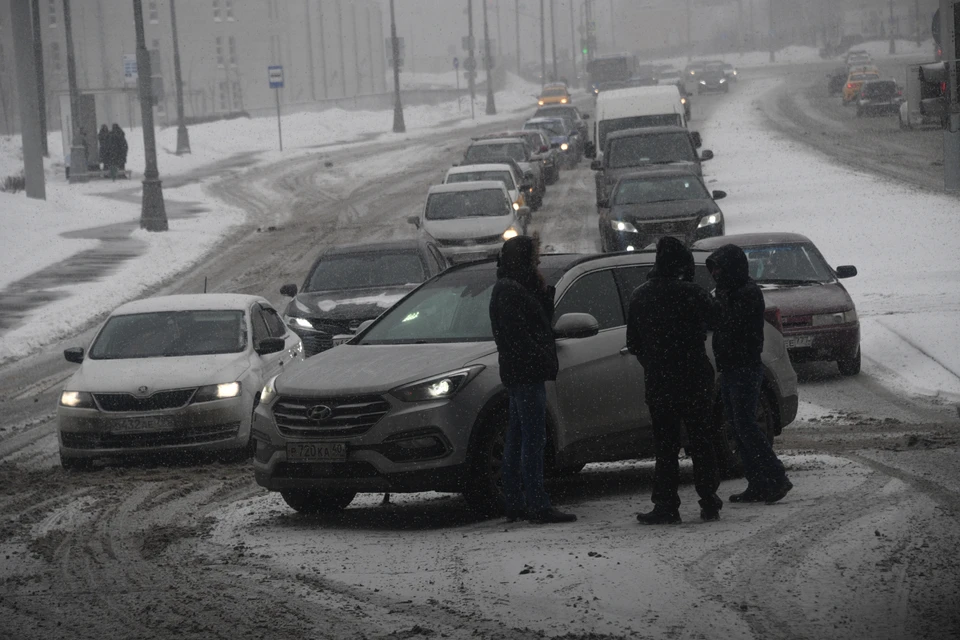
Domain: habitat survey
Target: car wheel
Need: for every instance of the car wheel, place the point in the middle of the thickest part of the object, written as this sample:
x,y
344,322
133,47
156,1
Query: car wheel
x,y
850,366
484,490
728,454
76,464
316,500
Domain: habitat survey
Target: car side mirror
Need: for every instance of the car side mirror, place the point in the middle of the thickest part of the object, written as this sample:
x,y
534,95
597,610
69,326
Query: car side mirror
x,y
585,116
575,326
596,165
706,155
523,212
846,271
719,195
697,139
289,290
270,345
544,148
590,150
414,220
364,325
74,355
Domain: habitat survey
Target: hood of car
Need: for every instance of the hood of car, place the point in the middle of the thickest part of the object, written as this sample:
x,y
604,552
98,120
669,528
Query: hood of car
x,y
353,304
468,228
808,299
612,175
362,369
158,374
645,213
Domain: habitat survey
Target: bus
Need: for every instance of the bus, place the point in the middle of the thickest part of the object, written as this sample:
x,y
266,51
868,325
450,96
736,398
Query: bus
x,y
611,72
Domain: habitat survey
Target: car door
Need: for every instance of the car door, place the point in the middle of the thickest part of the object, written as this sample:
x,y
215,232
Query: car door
x,y
271,364
277,329
599,390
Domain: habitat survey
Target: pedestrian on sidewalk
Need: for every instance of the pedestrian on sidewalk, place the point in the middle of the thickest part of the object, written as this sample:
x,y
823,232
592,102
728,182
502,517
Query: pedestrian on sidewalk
x,y
119,149
521,314
737,345
104,140
667,331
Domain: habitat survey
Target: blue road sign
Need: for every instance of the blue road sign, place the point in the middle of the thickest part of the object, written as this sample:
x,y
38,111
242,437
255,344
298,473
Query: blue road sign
x,y
456,63
275,76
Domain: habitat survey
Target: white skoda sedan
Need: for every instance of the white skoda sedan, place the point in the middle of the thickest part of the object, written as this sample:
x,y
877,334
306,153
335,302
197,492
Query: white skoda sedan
x,y
172,374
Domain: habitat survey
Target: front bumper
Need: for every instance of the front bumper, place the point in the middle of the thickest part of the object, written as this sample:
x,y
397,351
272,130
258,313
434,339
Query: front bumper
x,y
210,426
651,234
818,344
458,255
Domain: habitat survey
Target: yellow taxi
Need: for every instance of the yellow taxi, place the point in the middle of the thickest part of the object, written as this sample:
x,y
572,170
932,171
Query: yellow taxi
x,y
855,80
554,94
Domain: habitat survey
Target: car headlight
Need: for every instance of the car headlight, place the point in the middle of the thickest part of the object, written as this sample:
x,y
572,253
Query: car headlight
x,y
564,146
213,392
540,102
438,387
77,400
693,73
510,233
703,82
710,220
683,101
622,226
722,80
734,72
563,101
827,319
269,391
299,323
516,206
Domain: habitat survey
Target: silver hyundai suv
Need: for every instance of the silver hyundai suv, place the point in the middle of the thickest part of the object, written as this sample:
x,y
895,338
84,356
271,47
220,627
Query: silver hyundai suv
x,y
414,402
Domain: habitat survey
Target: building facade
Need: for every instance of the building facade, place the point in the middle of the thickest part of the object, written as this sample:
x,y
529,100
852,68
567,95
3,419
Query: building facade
x,y
329,49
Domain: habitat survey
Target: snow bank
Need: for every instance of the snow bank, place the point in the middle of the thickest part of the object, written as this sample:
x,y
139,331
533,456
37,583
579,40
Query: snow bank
x,y
904,241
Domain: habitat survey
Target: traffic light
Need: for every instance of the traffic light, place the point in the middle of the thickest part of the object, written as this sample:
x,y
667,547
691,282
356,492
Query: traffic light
x,y
933,90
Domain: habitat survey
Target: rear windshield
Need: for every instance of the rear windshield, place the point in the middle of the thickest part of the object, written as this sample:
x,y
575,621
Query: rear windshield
x,y
481,176
554,93
467,204
170,334
877,89
482,152
366,270
864,77
553,128
664,148
659,190
799,263
606,127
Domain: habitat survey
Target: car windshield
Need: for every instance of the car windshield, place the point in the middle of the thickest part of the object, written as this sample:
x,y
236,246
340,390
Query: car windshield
x,y
659,190
366,271
466,204
669,75
491,151
452,308
864,77
880,89
799,263
481,176
170,334
606,127
552,127
663,148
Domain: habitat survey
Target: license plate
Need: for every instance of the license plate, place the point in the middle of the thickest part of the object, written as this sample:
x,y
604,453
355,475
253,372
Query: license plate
x,y
798,342
138,425
316,451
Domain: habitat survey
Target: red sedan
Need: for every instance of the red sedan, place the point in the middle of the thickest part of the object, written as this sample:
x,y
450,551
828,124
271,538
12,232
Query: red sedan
x,y
818,315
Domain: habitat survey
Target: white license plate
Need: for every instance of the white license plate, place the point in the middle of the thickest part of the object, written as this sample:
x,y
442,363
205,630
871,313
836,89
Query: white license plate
x,y
798,342
138,425
316,451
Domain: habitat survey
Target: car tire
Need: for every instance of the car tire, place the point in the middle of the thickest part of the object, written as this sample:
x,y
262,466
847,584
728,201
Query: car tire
x,y
317,501
729,461
484,489
849,366
75,464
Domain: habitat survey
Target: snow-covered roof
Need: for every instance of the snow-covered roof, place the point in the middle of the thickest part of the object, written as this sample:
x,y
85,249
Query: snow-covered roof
x,y
190,302
480,185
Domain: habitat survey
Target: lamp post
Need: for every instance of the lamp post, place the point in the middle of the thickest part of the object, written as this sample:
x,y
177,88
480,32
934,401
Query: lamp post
x,y
491,102
893,35
183,136
398,124
153,215
38,63
543,46
573,45
553,38
773,46
78,152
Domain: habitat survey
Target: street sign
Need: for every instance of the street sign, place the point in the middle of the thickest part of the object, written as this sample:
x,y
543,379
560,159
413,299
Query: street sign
x,y
456,63
275,76
130,68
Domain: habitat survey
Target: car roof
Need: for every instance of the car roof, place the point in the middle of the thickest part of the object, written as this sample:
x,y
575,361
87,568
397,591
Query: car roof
x,y
645,131
190,302
544,119
488,166
479,185
376,247
486,141
751,240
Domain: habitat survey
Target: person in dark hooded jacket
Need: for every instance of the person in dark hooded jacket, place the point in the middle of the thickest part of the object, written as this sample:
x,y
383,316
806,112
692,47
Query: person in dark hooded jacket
x,y
521,315
105,143
737,345
119,144
667,331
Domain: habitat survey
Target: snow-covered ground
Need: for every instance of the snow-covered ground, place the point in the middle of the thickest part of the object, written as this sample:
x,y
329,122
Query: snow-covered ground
x,y
904,241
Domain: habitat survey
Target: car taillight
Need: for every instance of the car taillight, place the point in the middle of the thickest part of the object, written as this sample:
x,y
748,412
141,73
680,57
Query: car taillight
x,y
772,315
850,85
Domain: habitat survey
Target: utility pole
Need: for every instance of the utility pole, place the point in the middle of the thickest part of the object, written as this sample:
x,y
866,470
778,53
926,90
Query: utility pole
x,y
516,24
773,46
588,29
543,46
613,28
553,37
573,45
183,136
343,61
41,89
951,134
689,31
372,54
356,49
78,152
499,33
153,215
740,34
26,90
491,103
916,21
472,67
398,124
310,63
893,36
323,56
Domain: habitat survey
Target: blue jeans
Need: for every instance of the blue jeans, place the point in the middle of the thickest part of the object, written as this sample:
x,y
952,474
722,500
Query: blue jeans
x,y
741,394
523,489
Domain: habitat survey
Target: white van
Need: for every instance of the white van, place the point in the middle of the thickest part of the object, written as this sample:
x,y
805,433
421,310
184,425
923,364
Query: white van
x,y
635,108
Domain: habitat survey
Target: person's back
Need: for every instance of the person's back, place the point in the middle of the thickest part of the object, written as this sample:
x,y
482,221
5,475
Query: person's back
x,y
738,340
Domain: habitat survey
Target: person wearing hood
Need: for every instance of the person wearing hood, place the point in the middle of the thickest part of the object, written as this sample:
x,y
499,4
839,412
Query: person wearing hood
x,y
737,345
119,144
104,141
521,315
667,332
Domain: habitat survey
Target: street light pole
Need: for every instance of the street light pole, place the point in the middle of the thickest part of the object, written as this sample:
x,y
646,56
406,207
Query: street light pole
x,y
183,136
893,36
153,215
573,45
78,151
491,103
916,16
773,46
41,90
398,124
613,28
543,46
553,37
472,69
516,24
689,31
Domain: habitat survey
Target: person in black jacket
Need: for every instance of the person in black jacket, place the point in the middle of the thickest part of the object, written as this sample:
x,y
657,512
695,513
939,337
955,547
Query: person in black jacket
x,y
521,314
119,144
105,142
737,345
667,331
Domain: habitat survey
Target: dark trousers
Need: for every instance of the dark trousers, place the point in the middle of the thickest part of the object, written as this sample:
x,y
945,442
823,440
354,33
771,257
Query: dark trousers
x,y
670,407
523,488
740,389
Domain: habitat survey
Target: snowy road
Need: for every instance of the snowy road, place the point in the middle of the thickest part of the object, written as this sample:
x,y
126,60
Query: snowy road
x,y
864,547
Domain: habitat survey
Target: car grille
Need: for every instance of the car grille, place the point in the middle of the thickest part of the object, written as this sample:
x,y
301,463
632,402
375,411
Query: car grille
x,y
146,440
321,339
797,322
314,343
347,417
471,242
160,401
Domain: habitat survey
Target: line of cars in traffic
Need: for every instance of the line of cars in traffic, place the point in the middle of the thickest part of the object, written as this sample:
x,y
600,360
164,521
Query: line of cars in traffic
x,y
410,399
859,83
